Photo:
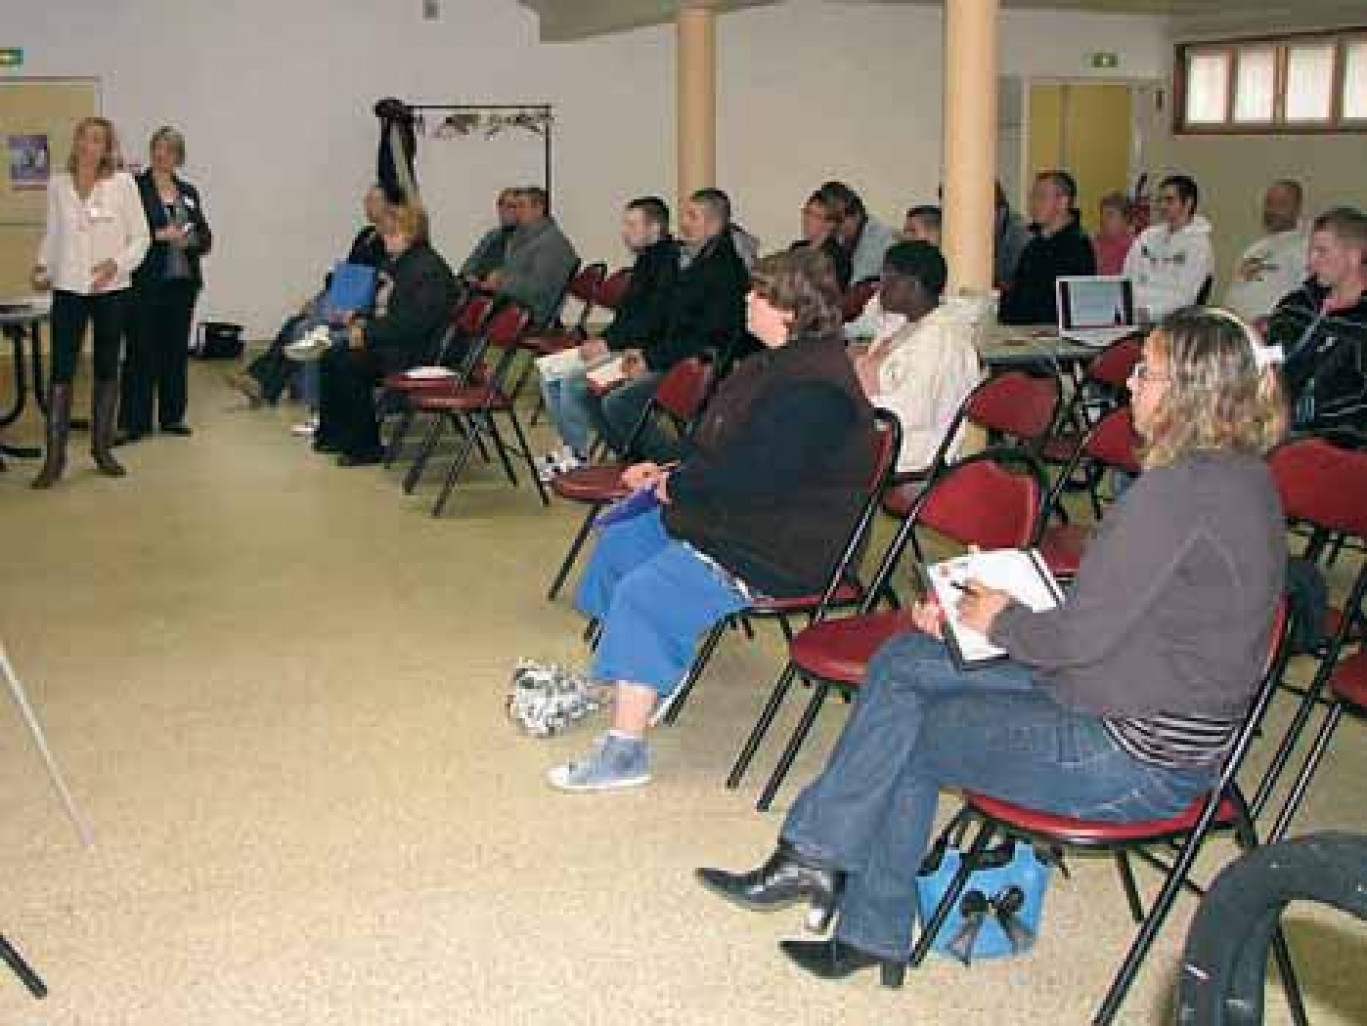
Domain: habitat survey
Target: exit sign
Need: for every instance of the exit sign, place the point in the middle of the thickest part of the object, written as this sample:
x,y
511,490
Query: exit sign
x,y
1106,61
11,57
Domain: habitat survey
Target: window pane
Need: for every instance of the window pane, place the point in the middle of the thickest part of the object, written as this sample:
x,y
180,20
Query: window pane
x,y
1256,80
1309,82
1355,80
1207,88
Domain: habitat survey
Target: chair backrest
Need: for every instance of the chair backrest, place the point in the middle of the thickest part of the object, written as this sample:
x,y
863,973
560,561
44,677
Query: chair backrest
x,y
1322,485
506,325
1203,293
1111,442
993,499
584,288
1116,362
1020,405
471,314
557,310
857,297
683,390
613,289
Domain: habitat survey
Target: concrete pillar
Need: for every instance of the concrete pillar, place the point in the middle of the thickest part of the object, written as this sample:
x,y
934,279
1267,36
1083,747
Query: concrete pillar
x,y
696,58
970,140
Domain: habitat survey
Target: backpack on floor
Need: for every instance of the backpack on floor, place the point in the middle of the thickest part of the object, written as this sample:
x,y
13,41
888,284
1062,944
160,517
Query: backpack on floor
x,y
217,340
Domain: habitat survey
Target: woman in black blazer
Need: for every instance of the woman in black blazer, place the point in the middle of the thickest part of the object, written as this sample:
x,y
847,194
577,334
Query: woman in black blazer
x,y
165,288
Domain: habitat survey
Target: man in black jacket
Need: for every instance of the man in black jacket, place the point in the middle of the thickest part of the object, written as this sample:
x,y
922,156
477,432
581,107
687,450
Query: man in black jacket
x,y
706,313
1322,329
1059,249
419,307
639,322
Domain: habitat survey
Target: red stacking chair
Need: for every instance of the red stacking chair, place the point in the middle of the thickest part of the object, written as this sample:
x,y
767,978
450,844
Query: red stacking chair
x,y
1186,833
842,582
613,290
1014,408
1104,385
470,408
459,352
992,500
584,288
1108,445
857,297
679,396
1326,487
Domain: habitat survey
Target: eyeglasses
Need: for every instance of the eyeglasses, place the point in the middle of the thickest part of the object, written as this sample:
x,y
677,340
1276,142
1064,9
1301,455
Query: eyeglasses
x,y
1144,374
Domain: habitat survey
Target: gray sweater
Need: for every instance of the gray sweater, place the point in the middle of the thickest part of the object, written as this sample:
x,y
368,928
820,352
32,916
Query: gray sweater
x,y
1172,607
537,267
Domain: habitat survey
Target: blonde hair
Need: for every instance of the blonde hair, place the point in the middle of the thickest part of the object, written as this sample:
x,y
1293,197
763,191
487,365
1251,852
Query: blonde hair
x,y
110,161
408,219
1217,396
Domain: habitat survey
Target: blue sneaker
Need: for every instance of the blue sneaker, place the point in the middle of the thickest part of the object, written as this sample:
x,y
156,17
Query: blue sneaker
x,y
614,764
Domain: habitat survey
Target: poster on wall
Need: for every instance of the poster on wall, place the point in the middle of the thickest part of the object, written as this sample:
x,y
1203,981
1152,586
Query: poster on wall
x,y
29,161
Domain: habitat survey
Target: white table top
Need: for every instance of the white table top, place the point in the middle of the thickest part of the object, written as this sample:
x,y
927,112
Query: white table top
x,y
25,309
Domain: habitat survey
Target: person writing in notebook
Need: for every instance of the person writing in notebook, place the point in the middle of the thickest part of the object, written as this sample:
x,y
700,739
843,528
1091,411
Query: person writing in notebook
x,y
1118,705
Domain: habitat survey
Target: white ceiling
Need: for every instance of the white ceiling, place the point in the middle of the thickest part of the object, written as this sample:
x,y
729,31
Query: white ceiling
x,y
563,20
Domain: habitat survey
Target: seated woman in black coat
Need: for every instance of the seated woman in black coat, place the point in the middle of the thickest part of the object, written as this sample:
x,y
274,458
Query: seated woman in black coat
x,y
761,504
421,298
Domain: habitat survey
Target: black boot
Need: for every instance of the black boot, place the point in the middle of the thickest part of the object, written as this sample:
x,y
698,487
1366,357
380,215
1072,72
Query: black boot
x,y
58,428
786,879
834,960
103,411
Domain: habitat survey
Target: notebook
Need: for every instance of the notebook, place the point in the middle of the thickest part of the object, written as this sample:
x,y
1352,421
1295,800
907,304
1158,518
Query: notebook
x,y
352,288
638,503
607,376
1020,572
1097,310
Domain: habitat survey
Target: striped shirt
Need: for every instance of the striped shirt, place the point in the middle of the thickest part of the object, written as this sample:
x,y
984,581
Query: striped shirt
x,y
1174,742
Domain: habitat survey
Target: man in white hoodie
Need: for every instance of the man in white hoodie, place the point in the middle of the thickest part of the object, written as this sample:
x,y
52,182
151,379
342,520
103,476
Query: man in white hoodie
x,y
1171,263
1275,265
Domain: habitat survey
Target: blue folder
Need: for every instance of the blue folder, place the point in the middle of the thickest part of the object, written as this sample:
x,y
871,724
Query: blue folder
x,y
352,288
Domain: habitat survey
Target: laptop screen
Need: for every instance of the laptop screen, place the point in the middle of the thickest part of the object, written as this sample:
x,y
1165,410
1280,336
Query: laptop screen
x,y
1104,302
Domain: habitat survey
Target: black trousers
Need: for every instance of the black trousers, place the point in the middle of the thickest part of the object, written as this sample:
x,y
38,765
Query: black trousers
x,y
72,313
157,364
346,417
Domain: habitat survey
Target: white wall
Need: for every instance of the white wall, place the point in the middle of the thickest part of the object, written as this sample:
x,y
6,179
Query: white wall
x,y
275,99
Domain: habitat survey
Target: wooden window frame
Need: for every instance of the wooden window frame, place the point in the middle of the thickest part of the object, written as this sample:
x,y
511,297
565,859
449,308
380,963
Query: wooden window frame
x,y
1336,124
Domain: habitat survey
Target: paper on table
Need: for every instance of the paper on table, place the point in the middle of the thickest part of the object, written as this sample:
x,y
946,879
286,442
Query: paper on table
x,y
1018,572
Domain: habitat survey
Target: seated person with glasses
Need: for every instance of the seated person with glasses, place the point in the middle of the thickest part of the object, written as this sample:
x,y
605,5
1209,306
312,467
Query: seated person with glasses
x,y
416,316
772,482
1120,705
820,228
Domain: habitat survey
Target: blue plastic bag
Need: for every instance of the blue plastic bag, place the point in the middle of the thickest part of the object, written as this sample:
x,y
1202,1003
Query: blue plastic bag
x,y
1015,877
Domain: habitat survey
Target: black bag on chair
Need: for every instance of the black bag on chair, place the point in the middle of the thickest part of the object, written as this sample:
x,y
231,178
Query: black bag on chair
x,y
217,340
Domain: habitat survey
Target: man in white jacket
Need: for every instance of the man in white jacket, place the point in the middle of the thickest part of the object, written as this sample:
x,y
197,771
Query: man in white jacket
x,y
1275,265
1173,260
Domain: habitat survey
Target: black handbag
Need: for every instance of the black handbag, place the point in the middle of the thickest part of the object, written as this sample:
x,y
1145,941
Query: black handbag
x,y
217,340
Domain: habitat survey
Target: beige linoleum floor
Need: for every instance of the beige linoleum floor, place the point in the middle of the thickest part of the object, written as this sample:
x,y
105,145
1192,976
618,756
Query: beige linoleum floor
x,y
276,688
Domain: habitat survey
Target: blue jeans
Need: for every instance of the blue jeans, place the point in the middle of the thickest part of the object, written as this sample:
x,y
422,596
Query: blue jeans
x,y
310,380
654,597
922,725
568,402
616,415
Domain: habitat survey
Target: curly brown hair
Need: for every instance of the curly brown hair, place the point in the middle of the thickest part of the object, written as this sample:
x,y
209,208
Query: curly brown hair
x,y
1217,396
801,282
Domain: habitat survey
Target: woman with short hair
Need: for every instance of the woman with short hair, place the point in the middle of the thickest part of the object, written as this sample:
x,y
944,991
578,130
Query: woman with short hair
x,y
96,236
771,484
165,288
1119,705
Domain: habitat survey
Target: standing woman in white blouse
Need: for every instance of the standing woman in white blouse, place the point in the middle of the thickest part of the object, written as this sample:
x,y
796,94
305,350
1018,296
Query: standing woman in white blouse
x,y
96,235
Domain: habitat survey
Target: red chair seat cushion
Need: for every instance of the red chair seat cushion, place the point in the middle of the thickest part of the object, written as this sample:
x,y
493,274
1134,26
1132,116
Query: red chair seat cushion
x,y
595,485
839,650
551,342
1062,546
847,594
464,399
403,383
1084,832
1349,680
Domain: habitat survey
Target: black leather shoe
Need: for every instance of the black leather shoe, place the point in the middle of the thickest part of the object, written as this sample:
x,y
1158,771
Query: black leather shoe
x,y
183,430
834,960
361,459
786,879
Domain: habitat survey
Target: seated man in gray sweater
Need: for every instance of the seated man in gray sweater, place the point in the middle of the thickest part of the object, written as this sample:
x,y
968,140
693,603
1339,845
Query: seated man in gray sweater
x,y
539,260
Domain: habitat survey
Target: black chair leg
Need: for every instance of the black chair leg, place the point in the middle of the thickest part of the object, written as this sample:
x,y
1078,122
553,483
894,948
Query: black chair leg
x,y
820,690
1127,881
500,448
1307,773
967,861
531,460
429,446
398,436
695,671
30,979
1277,765
572,555
766,720
457,465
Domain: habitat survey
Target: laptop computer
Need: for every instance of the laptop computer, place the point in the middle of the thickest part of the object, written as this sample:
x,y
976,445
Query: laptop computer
x,y
1097,310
